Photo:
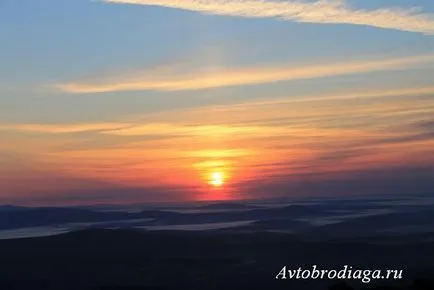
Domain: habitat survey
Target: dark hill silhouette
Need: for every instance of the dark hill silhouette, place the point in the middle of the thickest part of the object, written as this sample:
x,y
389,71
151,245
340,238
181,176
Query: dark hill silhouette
x,y
33,217
21,217
363,226
229,205
287,212
272,225
132,259
8,207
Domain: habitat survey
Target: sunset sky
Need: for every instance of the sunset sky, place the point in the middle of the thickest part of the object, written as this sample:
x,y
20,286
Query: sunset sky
x,y
123,101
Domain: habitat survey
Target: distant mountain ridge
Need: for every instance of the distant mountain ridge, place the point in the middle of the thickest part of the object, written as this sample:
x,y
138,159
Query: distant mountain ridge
x,y
8,207
329,220
36,217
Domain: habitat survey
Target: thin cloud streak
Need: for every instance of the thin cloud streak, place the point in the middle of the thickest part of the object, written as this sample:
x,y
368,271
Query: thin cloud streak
x,y
331,137
191,130
274,106
176,79
63,128
321,11
186,122
405,92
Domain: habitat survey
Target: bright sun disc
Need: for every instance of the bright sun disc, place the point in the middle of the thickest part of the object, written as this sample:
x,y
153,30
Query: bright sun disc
x,y
217,179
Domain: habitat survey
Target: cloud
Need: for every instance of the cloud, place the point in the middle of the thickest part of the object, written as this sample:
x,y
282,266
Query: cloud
x,y
168,129
279,144
63,128
403,179
385,93
352,106
182,79
254,118
139,129
321,11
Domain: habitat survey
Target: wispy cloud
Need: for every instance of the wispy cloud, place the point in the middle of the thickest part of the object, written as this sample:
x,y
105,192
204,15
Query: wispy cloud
x,y
63,128
140,129
321,11
256,118
168,129
269,140
183,78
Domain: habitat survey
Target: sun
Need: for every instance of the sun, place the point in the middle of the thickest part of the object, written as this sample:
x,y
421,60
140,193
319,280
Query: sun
x,y
217,179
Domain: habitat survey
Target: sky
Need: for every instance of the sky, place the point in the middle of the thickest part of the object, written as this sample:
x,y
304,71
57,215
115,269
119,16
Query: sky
x,y
124,101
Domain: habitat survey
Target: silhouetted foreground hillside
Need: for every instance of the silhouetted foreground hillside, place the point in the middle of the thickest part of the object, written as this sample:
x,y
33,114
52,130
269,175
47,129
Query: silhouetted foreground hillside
x,y
122,259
